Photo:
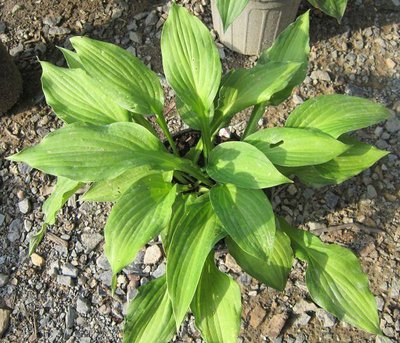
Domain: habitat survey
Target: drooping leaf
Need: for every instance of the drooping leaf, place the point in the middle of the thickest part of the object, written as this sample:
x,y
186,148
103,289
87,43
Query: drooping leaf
x,y
247,217
178,211
111,190
217,305
150,317
275,270
334,8
63,190
84,152
72,58
76,97
141,213
229,10
337,114
335,280
194,237
243,88
292,45
293,147
121,75
243,165
357,158
191,62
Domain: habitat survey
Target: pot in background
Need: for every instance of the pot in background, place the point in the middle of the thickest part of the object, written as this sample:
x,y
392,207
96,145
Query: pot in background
x,y
10,80
257,26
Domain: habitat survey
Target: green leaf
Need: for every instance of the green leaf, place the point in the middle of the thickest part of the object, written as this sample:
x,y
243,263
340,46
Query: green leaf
x,y
292,45
178,211
229,10
64,189
243,88
84,152
191,62
293,147
188,116
76,97
334,8
194,237
72,58
247,217
243,165
337,114
335,280
111,190
141,213
121,75
359,157
275,270
217,305
150,318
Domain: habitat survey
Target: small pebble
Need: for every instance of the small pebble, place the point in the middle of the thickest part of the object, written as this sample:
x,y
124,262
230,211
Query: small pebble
x,y
37,260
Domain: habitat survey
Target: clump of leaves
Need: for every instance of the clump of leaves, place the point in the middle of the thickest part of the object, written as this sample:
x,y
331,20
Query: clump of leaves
x,y
229,10
212,193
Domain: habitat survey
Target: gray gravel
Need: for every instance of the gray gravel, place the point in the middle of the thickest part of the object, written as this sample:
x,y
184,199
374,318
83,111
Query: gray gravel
x,y
67,298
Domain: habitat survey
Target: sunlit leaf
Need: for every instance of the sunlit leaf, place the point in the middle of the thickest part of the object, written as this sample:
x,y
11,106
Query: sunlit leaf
x,y
141,213
243,165
191,62
335,280
150,317
217,305
337,114
121,75
296,147
91,153
273,271
76,97
229,10
247,217
195,235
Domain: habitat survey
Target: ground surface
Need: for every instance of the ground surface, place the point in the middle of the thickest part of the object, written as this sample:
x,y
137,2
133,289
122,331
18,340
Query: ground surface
x,y
66,298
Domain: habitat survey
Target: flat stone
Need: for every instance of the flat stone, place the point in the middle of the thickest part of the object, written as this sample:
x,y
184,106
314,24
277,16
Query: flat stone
x,y
14,230
69,270
153,254
70,317
2,217
371,192
392,125
136,37
257,316
58,31
24,206
37,260
151,19
326,319
4,320
83,305
320,75
65,280
90,241
331,200
103,263
3,280
275,325
160,270
231,264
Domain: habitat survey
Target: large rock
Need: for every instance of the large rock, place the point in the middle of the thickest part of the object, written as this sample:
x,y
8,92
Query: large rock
x,y
10,80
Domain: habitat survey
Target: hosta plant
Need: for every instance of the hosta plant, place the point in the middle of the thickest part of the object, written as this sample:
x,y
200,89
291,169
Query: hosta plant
x,y
229,10
214,193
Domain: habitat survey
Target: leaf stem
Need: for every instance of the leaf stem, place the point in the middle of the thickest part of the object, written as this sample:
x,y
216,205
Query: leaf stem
x,y
256,115
141,120
164,127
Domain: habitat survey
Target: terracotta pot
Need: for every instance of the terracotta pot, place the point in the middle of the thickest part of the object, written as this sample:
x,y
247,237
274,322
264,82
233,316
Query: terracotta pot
x,y
10,80
258,25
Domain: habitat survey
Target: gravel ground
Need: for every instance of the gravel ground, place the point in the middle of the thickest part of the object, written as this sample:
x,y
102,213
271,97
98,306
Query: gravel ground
x,y
62,293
